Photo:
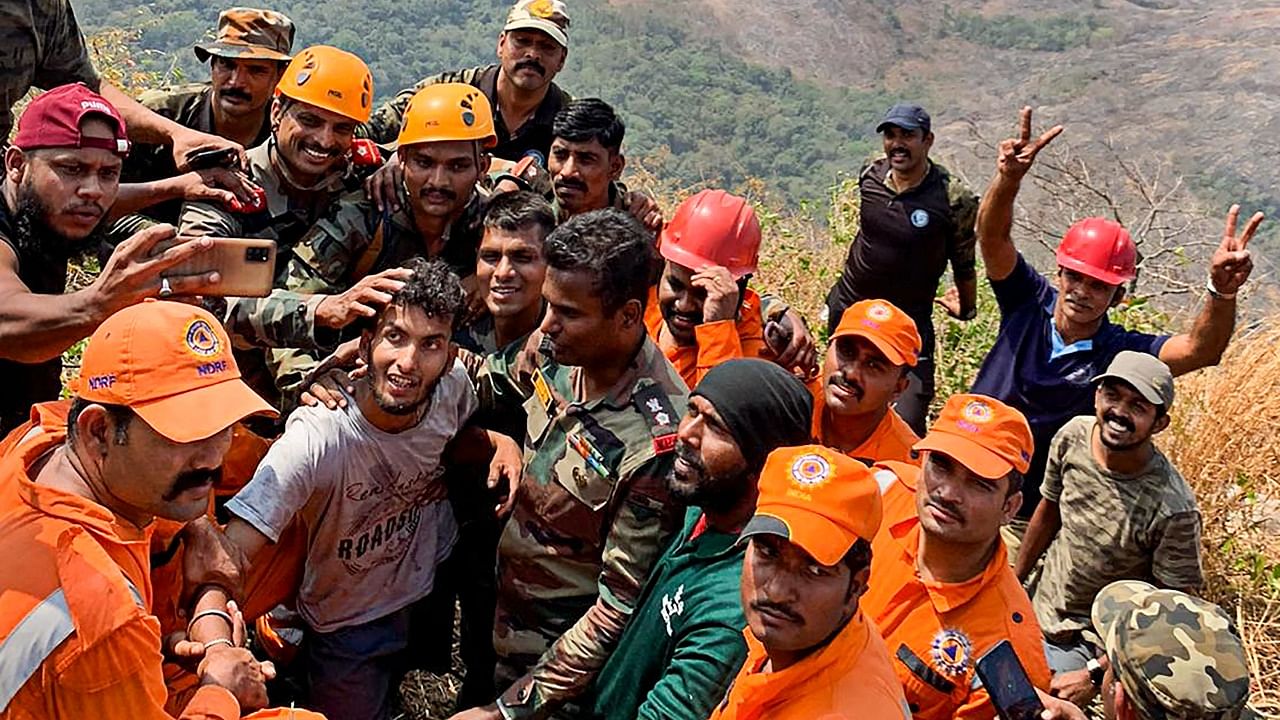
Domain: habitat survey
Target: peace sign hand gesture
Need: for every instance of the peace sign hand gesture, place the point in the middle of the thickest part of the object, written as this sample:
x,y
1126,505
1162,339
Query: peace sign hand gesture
x,y
1231,263
1018,154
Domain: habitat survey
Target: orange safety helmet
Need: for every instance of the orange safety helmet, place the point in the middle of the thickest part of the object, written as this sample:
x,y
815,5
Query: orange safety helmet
x,y
330,79
285,713
1101,249
448,112
714,228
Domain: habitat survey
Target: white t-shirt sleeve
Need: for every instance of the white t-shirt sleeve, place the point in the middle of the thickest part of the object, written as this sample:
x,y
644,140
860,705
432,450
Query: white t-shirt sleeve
x,y
467,400
288,476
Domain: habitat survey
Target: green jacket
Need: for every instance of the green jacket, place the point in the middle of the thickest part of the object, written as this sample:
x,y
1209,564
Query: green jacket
x,y
684,643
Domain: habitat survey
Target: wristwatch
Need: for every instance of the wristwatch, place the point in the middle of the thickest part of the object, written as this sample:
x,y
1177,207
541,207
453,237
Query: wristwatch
x,y
1214,293
1096,671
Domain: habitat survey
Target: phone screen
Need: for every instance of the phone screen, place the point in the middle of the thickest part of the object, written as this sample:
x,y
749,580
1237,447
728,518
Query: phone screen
x,y
1007,683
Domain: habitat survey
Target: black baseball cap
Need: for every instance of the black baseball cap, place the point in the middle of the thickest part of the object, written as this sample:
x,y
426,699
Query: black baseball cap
x,y
907,117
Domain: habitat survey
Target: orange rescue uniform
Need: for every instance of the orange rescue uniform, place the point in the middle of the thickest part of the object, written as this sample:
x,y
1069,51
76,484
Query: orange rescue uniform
x,y
892,440
716,341
852,677
77,639
937,630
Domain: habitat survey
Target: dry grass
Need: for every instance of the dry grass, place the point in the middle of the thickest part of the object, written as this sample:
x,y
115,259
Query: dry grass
x,y
1225,439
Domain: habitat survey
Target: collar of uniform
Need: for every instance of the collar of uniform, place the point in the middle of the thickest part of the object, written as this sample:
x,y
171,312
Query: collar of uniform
x,y
61,504
273,180
472,214
708,544
204,111
643,364
886,177
843,652
945,597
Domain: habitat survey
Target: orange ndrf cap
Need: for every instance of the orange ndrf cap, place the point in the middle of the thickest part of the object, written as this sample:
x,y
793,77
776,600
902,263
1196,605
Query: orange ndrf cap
x,y
892,331
818,498
983,434
171,364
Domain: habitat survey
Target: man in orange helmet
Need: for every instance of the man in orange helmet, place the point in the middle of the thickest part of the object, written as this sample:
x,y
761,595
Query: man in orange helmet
x,y
702,313
1055,336
348,263
305,164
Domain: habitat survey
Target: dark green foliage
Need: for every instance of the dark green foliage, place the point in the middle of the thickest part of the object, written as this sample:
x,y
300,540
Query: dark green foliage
x,y
1012,32
723,120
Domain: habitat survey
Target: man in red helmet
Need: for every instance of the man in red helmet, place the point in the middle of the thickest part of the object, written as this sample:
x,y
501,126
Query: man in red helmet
x,y
702,313
1055,336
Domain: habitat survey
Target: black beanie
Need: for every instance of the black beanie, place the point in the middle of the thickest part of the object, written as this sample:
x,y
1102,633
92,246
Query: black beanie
x,y
764,406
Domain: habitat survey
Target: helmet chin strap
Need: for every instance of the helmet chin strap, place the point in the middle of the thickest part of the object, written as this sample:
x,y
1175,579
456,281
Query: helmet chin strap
x,y
282,168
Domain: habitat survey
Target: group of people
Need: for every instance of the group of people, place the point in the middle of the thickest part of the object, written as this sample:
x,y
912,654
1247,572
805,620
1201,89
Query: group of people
x,y
492,384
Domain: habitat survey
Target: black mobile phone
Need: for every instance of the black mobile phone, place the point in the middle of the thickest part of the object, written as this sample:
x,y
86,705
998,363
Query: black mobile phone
x,y
205,159
1007,683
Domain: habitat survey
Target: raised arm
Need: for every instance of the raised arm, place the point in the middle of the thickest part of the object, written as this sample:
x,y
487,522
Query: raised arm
x,y
995,213
1229,269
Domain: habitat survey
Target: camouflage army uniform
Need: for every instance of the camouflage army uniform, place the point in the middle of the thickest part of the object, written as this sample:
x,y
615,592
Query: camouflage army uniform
x,y
284,319
40,46
1177,656
591,518
532,138
190,106
331,258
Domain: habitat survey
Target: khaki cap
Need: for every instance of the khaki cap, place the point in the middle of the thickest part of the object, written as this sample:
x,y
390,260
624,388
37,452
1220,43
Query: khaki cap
x,y
549,16
1145,372
250,33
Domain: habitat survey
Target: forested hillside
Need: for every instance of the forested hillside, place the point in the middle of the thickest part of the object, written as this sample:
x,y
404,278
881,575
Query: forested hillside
x,y
722,120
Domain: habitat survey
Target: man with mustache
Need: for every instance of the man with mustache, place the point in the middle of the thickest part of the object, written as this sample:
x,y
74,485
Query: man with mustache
x,y
44,49
143,439
701,313
366,480
1113,508
944,593
865,371
811,650
914,219
346,265
302,168
684,641
532,48
246,60
1055,335
592,513
61,180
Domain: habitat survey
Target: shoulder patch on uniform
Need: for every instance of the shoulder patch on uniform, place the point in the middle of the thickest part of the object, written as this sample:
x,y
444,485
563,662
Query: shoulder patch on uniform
x,y
952,651
659,414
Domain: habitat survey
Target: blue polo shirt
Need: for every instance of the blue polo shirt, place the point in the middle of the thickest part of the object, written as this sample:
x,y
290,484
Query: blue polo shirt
x,y
1033,370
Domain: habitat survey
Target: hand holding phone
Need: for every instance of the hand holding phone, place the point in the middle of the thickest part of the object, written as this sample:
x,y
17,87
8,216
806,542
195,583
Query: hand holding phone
x,y
204,159
245,266
1006,681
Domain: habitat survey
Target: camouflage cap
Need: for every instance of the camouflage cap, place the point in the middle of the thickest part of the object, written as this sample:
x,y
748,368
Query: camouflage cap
x,y
1177,656
549,16
250,33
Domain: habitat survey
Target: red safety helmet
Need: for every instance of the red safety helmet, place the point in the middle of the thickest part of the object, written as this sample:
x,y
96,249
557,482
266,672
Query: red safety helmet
x,y
1101,249
714,228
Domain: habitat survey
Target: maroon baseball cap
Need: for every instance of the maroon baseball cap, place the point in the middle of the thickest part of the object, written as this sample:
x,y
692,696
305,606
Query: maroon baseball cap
x,y
53,120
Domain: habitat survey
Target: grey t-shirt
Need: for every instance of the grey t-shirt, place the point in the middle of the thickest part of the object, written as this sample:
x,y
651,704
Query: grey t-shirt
x,y
374,504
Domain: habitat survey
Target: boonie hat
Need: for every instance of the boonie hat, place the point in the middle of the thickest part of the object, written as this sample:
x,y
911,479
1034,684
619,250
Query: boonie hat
x,y
171,364
1178,657
1145,372
53,119
250,33
818,498
549,16
892,331
983,434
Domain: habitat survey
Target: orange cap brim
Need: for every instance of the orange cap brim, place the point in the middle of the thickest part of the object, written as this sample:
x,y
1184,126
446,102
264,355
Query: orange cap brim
x,y
826,541
968,453
896,356
203,412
